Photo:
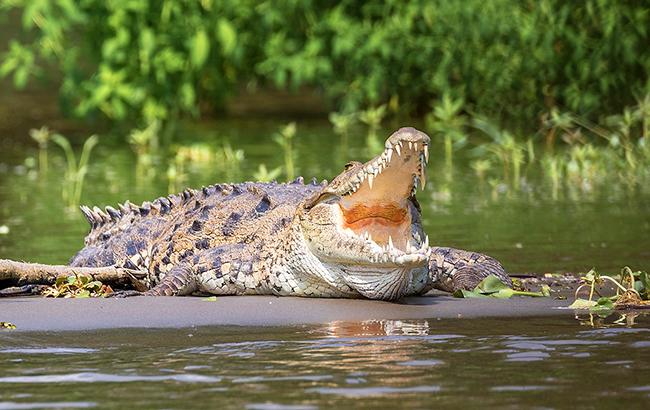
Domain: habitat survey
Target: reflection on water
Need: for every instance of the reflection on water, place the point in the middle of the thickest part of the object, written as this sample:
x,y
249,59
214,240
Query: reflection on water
x,y
410,363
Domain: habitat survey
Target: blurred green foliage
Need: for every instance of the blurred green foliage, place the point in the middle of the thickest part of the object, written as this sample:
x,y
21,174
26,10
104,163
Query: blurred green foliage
x,y
138,60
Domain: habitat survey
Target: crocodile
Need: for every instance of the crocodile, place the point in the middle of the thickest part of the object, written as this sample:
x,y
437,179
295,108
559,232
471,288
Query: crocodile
x,y
360,235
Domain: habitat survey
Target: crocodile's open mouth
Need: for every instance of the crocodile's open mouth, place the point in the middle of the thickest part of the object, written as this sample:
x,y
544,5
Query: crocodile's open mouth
x,y
365,225
379,208
378,205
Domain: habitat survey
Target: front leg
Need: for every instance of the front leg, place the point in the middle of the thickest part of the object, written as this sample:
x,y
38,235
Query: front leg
x,y
452,269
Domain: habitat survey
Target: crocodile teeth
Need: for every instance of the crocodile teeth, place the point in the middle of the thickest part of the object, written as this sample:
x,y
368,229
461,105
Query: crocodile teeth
x,y
426,241
370,177
426,153
423,178
397,148
390,242
389,154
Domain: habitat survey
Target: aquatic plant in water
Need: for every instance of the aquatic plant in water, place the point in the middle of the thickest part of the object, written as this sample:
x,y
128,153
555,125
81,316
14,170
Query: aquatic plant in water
x,y
632,291
75,173
263,174
144,143
447,120
42,136
284,138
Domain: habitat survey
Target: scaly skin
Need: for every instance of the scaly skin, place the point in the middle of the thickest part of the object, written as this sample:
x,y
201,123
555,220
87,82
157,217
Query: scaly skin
x,y
290,239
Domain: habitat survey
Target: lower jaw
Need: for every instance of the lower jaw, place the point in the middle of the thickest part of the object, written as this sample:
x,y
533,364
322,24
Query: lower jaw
x,y
385,284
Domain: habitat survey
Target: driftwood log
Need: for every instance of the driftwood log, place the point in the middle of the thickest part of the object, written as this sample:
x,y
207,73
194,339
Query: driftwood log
x,y
14,273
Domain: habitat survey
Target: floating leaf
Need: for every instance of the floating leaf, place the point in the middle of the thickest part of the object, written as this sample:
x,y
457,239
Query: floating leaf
x,y
603,305
582,304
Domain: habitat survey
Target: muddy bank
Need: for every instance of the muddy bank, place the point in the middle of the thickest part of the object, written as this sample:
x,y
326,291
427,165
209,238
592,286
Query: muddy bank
x,y
40,314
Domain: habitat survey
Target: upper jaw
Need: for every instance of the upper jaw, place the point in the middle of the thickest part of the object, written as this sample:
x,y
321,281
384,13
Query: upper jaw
x,y
402,143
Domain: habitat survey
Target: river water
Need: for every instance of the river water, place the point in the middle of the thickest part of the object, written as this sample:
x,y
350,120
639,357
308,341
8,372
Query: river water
x,y
532,362
488,363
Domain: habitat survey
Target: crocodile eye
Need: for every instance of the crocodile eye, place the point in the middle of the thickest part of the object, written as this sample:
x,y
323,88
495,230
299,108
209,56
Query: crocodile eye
x,y
351,164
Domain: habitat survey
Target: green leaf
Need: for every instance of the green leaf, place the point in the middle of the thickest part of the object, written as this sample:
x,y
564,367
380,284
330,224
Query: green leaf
x,y
210,299
582,304
199,48
491,284
462,293
227,36
602,305
83,294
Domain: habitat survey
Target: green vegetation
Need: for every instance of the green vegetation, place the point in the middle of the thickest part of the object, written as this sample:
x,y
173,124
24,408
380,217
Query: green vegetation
x,y
77,286
492,287
75,173
509,60
7,326
284,138
42,136
632,291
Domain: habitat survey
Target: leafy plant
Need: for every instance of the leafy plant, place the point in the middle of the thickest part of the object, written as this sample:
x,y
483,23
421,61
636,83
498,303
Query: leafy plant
x,y
447,120
264,175
77,286
75,173
42,136
7,325
145,143
284,138
492,287
342,123
632,291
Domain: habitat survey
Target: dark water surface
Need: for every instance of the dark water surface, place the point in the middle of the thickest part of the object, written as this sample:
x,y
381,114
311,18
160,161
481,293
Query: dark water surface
x,y
534,362
491,363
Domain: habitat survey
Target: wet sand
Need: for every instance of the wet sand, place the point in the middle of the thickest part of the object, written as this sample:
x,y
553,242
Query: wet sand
x,y
41,314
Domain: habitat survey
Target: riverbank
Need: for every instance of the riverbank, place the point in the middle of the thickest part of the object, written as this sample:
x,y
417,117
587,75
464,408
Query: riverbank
x,y
44,314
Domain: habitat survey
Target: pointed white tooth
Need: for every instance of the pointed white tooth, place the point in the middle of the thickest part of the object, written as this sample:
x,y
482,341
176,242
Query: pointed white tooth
x,y
369,237
410,145
423,178
426,241
390,242
370,177
426,153
397,148
389,154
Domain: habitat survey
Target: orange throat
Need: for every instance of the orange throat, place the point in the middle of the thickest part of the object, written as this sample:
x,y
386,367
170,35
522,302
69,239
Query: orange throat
x,y
380,221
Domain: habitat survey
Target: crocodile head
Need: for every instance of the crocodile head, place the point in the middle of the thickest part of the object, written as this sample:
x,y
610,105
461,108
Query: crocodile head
x,y
365,227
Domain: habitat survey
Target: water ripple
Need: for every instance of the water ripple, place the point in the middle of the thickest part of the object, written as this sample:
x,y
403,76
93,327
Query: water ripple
x,y
10,405
89,377
373,391
48,350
